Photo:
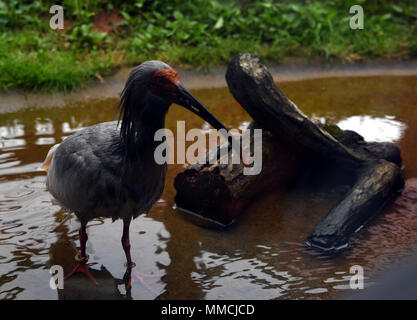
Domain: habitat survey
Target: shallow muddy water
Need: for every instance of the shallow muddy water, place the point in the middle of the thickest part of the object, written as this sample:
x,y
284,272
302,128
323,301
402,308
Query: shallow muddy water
x,y
262,256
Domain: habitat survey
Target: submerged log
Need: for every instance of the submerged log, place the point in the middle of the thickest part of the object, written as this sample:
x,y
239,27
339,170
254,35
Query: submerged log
x,y
377,184
292,144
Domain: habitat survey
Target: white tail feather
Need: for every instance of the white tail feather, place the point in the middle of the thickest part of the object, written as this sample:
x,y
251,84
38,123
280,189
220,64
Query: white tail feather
x,y
47,162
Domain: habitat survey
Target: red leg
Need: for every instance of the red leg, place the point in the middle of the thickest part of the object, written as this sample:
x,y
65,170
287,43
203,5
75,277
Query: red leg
x,y
83,240
126,242
127,278
82,257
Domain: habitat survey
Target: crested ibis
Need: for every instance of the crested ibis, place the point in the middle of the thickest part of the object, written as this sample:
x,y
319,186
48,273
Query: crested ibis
x,y
108,169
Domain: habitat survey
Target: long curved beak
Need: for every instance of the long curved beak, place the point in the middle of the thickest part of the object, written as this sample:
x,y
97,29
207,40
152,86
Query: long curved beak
x,y
188,101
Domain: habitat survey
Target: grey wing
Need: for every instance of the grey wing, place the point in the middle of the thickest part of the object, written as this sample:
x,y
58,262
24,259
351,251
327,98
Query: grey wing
x,y
85,172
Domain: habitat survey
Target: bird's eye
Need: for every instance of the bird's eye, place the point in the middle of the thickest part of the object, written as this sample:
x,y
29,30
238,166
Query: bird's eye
x,y
159,80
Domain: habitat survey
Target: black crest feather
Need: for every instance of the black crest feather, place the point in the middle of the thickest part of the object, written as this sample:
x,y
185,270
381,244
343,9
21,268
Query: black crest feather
x,y
133,101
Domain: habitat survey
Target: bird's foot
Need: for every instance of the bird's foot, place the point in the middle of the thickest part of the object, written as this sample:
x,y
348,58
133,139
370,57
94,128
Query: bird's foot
x,y
127,278
82,267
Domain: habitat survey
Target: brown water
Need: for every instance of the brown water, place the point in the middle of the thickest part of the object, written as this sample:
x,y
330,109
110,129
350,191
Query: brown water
x,y
262,256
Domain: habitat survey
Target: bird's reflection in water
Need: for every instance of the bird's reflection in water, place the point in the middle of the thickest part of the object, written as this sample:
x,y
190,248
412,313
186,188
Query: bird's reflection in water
x,y
115,280
80,287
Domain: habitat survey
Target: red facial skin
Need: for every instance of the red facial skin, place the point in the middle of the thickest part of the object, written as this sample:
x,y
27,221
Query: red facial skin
x,y
164,84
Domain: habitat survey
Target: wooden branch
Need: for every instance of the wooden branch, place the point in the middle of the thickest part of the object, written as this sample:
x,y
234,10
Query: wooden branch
x,y
252,86
378,183
292,144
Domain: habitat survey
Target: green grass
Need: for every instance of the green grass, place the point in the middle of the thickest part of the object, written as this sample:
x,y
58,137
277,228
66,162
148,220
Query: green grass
x,y
197,33
51,70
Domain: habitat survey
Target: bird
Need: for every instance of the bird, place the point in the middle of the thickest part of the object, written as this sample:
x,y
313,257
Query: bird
x,y
108,170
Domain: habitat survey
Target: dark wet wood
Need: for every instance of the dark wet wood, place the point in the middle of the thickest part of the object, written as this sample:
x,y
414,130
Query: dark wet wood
x,y
221,191
292,145
378,183
252,86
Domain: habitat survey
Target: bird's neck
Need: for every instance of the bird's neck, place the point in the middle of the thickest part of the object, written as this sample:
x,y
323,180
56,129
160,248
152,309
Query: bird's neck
x,y
141,120
147,134
142,147
141,160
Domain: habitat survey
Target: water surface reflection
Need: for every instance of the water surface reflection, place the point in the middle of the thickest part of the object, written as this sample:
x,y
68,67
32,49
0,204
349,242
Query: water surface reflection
x,y
378,129
262,256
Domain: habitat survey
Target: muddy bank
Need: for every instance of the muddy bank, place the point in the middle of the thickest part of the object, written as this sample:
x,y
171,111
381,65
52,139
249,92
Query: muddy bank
x,y
289,71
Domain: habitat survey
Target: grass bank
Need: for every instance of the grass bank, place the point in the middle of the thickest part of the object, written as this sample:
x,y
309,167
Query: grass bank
x,y
99,37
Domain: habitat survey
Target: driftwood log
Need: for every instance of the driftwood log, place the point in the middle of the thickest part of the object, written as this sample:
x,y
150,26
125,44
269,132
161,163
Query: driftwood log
x,y
294,151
